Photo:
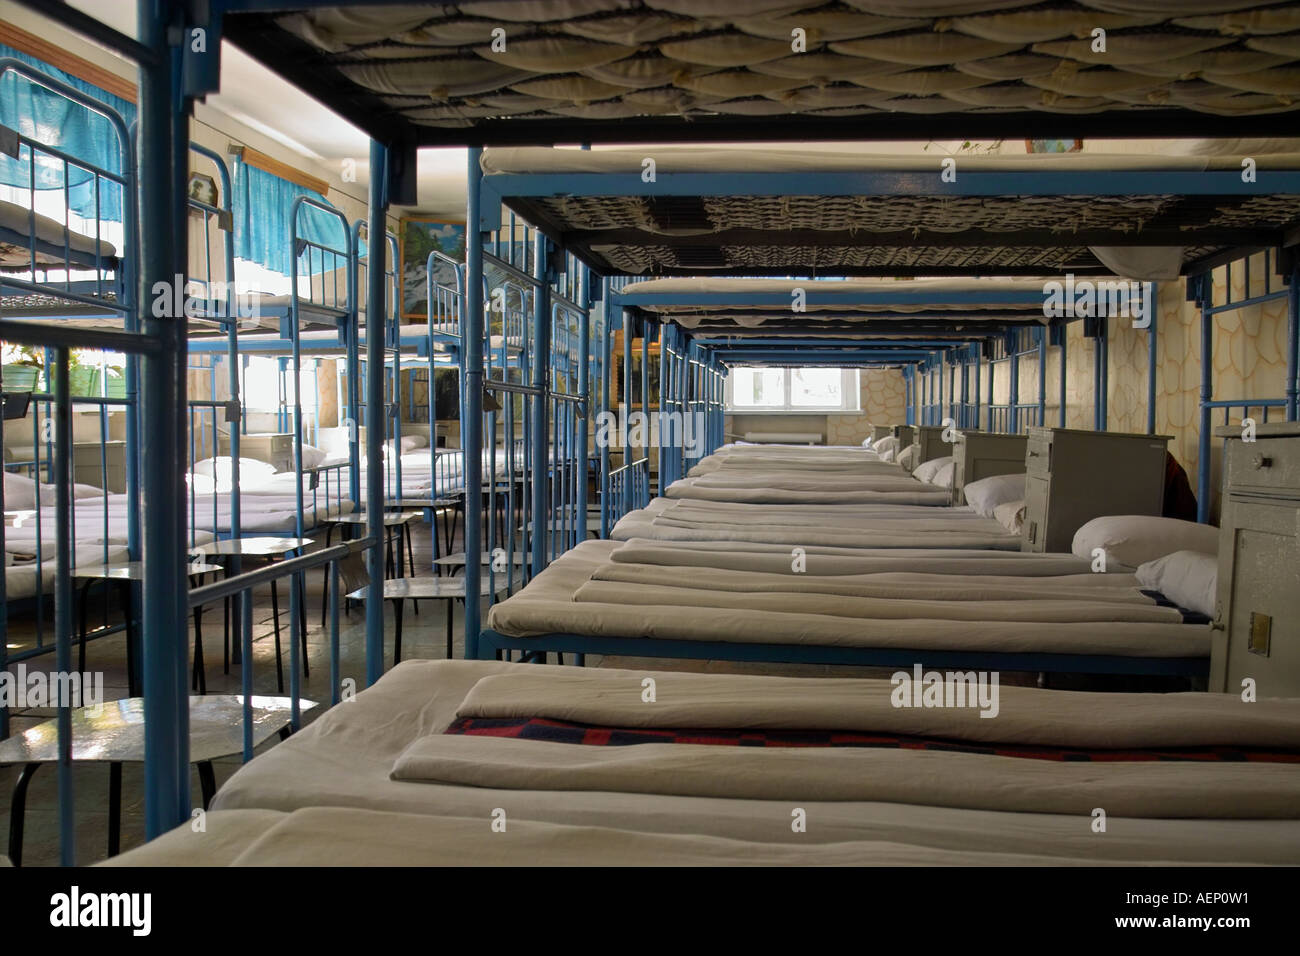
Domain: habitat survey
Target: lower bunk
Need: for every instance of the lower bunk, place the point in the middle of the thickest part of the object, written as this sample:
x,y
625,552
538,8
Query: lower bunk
x,y
576,765
989,609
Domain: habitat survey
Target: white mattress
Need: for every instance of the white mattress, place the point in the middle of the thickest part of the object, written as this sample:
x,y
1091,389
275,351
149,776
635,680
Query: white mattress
x,y
18,218
564,599
346,759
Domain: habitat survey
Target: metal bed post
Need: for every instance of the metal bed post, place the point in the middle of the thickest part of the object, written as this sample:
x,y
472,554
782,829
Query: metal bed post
x,y
1042,375
62,463
1293,345
1201,289
543,458
583,411
1062,412
1150,300
1101,371
376,226
1013,371
471,410
645,401
626,504
163,165
611,308
977,354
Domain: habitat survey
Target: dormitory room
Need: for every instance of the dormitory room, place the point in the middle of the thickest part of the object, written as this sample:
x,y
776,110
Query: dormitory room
x,y
884,415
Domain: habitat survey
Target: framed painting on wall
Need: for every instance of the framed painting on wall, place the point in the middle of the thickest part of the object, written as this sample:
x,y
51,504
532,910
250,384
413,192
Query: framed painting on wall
x,y
420,237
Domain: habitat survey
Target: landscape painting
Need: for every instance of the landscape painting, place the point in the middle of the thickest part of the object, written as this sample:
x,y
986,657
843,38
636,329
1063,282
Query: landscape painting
x,y
420,237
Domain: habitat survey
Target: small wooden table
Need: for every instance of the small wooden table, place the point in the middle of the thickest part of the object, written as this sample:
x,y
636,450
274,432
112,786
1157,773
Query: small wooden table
x,y
123,575
268,548
399,590
113,733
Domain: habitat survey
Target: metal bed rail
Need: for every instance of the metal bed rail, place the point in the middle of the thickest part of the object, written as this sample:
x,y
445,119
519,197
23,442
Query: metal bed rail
x,y
1276,287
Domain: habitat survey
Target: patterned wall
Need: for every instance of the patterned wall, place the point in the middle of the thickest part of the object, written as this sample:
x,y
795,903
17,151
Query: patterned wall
x,y
1249,359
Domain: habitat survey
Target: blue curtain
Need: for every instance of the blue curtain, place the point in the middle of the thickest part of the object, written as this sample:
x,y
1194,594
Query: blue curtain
x,y
263,207
46,117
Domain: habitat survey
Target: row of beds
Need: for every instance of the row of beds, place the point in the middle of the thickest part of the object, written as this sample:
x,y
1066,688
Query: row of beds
x,y
493,762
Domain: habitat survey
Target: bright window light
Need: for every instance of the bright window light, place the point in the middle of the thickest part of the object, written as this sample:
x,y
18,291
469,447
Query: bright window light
x,y
765,389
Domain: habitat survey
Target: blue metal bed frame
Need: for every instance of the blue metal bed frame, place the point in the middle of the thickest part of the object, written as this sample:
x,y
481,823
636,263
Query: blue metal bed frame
x,y
1200,289
171,76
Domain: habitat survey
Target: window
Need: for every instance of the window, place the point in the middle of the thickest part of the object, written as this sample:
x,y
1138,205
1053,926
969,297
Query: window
x,y
809,390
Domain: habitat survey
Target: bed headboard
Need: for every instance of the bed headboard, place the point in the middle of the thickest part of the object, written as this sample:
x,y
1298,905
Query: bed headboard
x,y
929,438
979,455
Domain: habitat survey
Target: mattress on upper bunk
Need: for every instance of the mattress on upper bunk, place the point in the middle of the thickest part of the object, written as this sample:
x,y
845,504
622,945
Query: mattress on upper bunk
x,y
390,751
587,591
15,218
849,526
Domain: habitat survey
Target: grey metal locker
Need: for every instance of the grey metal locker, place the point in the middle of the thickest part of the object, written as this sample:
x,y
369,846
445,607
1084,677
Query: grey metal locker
x,y
1073,476
1257,612
979,455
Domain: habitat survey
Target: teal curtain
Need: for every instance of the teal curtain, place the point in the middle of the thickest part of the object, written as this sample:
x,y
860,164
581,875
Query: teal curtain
x,y
49,118
263,206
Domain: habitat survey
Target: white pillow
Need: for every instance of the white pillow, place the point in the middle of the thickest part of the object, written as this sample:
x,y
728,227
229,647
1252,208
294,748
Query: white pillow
x,y
986,494
203,484
250,469
1136,539
887,445
887,455
926,470
20,492
943,477
1188,578
907,457
311,456
1011,515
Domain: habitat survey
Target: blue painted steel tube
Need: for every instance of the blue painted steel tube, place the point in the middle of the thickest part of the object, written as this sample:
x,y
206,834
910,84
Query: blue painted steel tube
x,y
645,403
978,355
605,503
1205,300
584,406
543,460
376,216
1149,297
626,504
1042,375
1013,396
62,477
1065,338
163,170
1293,347
471,407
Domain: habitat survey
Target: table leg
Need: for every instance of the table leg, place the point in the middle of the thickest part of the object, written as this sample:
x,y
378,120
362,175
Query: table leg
x,y
207,782
114,808
300,582
85,603
449,602
404,537
128,601
275,614
325,579
397,631
199,679
18,812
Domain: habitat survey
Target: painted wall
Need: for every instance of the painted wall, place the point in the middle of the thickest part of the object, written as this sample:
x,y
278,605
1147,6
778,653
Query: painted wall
x,y
1249,359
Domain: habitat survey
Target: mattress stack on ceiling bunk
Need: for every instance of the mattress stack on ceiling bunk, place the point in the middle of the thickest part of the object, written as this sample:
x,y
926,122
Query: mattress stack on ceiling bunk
x,y
803,582
409,772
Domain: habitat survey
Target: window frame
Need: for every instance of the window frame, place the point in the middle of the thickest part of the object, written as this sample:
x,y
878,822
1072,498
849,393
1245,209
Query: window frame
x,y
850,388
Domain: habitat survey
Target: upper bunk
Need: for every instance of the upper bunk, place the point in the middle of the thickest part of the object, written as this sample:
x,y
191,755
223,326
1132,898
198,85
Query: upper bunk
x,y
603,71
747,212
887,310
